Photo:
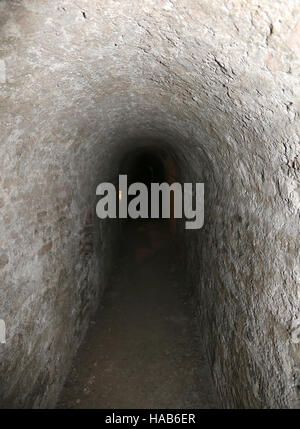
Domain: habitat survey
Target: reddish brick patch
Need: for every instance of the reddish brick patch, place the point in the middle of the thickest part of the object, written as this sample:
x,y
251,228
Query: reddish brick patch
x,y
43,250
142,253
89,217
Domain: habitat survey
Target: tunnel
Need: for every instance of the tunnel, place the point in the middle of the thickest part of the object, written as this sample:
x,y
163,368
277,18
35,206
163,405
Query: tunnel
x,y
174,91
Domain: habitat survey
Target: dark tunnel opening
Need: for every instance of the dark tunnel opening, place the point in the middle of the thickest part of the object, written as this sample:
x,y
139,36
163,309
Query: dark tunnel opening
x,y
144,339
148,165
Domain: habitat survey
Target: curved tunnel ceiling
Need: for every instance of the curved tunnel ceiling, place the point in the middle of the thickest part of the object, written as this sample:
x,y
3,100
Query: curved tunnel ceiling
x,y
217,82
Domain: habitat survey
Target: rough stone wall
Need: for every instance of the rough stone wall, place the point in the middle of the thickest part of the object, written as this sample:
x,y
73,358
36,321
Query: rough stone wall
x,y
218,81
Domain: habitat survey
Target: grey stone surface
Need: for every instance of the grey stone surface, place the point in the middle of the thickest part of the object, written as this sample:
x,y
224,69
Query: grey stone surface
x,y
216,82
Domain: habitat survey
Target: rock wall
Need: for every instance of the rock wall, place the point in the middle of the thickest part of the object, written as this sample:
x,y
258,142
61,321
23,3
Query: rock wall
x,y
216,81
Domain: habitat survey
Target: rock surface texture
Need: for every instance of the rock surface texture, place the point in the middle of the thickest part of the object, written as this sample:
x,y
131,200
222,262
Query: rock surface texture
x,y
216,82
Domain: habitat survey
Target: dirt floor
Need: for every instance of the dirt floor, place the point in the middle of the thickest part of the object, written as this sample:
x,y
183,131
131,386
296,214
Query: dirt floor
x,y
142,349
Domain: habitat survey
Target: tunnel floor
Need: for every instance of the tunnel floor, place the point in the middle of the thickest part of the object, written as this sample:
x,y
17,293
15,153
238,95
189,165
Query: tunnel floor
x,y
142,349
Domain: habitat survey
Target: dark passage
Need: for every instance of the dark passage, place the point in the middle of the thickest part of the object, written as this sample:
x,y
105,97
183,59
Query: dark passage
x,y
142,350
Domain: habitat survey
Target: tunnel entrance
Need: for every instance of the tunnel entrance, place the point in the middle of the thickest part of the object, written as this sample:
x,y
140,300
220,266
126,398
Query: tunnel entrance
x,y
149,165
148,236
143,349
